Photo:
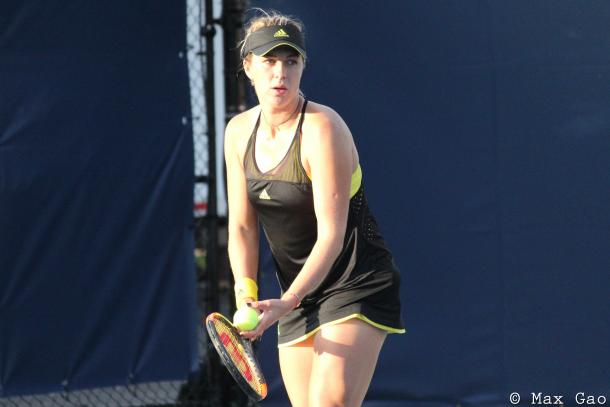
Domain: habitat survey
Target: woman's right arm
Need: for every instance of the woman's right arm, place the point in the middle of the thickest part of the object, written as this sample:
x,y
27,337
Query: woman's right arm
x,y
243,222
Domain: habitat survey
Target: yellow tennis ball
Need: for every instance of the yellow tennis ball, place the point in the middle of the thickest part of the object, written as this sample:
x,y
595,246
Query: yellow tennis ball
x,y
245,319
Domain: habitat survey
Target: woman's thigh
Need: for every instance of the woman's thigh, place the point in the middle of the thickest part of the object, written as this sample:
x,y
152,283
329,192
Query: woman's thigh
x,y
295,364
344,362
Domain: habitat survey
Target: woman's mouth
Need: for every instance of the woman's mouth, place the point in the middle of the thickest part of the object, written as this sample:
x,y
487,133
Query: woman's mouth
x,y
279,90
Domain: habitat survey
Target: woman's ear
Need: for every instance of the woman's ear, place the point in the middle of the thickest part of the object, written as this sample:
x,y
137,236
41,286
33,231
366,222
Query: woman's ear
x,y
246,64
247,70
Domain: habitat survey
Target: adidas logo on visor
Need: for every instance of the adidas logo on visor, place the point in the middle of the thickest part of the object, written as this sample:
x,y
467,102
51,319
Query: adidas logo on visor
x,y
281,34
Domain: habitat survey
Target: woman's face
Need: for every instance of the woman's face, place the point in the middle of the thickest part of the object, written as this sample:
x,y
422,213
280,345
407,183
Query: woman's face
x,y
276,76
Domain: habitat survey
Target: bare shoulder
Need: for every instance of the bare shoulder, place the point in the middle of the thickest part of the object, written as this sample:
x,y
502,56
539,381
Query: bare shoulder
x,y
241,123
322,122
324,128
320,116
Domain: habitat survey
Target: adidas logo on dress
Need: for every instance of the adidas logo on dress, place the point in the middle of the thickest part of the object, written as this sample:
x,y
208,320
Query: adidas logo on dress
x,y
264,195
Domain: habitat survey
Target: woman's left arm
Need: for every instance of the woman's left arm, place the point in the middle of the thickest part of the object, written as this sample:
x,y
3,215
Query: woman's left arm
x,y
329,160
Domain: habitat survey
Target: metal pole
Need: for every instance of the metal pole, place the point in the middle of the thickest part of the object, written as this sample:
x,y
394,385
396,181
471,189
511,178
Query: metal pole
x,y
208,31
235,80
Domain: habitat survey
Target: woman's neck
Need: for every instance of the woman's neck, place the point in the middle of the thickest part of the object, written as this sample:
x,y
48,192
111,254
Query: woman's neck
x,y
279,120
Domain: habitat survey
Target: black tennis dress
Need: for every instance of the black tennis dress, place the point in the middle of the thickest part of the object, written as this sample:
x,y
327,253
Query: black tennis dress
x,y
363,282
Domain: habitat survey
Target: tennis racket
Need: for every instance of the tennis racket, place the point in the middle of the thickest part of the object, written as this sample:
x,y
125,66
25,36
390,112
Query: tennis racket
x,y
237,355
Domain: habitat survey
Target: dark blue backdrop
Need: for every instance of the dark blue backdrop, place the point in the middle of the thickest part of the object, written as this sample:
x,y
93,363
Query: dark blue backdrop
x,y
484,133
96,179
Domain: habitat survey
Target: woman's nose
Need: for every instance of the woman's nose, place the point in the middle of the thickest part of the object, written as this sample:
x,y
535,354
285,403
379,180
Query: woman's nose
x,y
279,70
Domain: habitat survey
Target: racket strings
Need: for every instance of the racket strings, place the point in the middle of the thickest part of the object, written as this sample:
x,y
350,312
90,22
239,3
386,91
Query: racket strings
x,y
240,355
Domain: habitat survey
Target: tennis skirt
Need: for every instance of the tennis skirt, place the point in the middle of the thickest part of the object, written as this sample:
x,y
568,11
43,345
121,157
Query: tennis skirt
x,y
374,297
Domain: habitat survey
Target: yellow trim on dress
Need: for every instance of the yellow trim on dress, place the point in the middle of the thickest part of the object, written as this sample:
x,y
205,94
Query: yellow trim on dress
x,y
356,181
361,317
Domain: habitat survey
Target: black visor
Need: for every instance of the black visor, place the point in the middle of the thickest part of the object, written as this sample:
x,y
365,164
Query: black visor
x,y
261,41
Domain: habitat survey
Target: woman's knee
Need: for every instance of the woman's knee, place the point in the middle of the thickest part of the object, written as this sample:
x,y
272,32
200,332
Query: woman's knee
x,y
329,394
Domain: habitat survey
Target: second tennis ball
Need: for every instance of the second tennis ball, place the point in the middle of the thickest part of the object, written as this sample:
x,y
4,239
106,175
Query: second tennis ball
x,y
245,319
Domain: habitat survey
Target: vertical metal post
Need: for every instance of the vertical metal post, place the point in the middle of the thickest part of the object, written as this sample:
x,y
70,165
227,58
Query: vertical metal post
x,y
212,376
235,83
208,32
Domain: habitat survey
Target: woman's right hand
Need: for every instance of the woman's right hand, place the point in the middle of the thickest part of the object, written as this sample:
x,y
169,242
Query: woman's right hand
x,y
270,312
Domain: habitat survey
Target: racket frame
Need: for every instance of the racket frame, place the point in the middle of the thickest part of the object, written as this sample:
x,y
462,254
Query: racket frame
x,y
247,354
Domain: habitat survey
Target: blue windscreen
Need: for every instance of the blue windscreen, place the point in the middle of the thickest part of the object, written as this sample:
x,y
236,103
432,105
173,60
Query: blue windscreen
x,y
483,129
96,178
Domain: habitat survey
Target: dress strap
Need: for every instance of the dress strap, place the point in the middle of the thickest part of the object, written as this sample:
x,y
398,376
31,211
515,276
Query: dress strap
x,y
298,130
297,136
248,162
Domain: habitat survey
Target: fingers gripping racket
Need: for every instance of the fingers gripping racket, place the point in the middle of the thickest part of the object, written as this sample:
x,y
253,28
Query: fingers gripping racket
x,y
237,355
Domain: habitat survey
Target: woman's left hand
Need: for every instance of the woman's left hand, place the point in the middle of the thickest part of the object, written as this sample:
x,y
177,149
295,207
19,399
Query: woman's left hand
x,y
270,312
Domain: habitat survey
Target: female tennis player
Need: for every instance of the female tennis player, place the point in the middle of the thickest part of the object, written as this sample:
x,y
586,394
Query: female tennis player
x,y
292,166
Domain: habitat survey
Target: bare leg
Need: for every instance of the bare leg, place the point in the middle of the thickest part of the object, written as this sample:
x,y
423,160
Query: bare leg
x,y
295,364
344,362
